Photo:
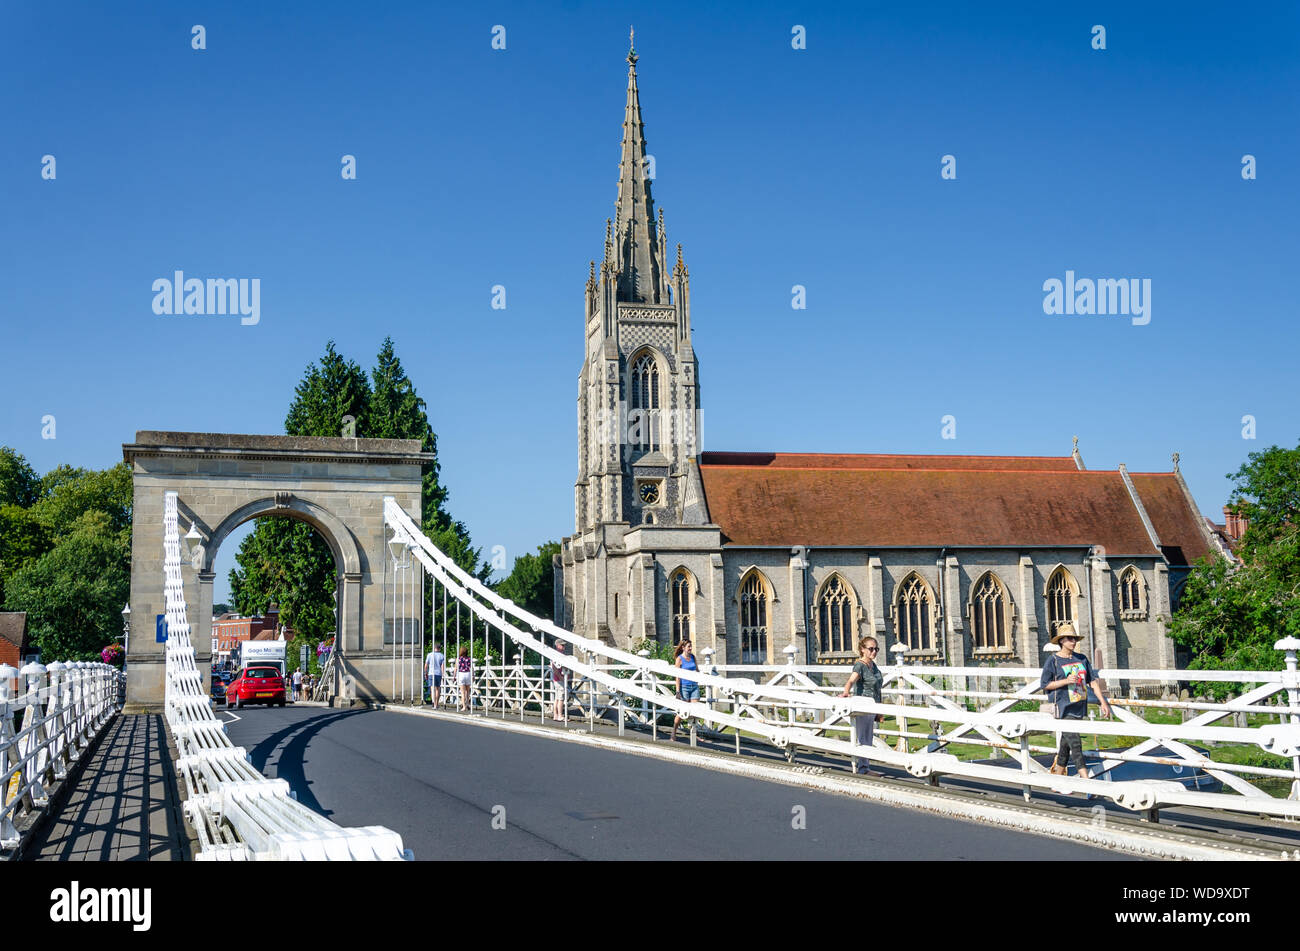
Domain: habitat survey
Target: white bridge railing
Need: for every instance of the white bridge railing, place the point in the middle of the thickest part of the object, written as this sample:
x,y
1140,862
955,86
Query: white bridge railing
x,y
931,708
236,812
45,727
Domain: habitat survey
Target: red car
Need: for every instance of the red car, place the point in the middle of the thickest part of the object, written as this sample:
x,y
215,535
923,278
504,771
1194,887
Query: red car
x,y
255,685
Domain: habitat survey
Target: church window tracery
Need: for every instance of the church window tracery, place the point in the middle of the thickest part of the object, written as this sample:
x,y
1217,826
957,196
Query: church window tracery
x,y
988,614
644,403
835,617
914,614
681,600
1132,594
1061,593
753,620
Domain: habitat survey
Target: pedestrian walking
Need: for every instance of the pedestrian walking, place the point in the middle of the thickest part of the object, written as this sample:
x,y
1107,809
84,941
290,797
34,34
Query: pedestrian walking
x,y
687,690
865,681
297,684
434,664
1066,677
464,677
560,683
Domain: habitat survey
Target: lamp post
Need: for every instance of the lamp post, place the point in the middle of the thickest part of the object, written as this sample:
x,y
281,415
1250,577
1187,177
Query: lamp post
x,y
126,633
194,546
397,550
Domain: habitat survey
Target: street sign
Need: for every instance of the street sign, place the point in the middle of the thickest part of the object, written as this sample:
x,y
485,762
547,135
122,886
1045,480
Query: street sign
x,y
302,657
160,629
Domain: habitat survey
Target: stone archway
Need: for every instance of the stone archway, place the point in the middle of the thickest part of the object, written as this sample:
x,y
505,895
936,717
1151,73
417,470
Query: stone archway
x,y
222,480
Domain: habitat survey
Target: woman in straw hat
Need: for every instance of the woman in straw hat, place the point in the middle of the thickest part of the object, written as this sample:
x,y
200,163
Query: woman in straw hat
x,y
1066,676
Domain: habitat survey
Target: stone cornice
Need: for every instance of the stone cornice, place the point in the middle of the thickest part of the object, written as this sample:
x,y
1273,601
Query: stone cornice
x,y
237,447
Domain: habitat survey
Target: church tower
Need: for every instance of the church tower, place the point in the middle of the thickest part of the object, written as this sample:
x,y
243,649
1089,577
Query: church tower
x,y
638,395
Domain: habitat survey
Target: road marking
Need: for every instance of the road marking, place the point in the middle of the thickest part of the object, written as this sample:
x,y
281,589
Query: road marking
x,y
231,715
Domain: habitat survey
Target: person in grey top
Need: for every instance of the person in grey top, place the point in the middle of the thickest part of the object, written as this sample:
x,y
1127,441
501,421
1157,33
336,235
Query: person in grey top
x,y
1066,677
865,681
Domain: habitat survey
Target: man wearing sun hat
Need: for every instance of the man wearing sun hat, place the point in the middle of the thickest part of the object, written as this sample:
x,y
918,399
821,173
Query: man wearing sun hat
x,y
1066,677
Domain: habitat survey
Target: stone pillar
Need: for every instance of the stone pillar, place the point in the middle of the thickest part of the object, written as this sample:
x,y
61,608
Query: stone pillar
x,y
718,607
649,605
1027,632
201,626
954,637
1103,614
876,594
1162,651
350,614
798,603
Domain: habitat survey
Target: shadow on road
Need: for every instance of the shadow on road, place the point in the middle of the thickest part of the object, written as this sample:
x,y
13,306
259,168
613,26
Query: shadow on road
x,y
291,764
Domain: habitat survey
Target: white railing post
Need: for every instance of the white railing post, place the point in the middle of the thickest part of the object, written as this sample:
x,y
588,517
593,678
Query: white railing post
x,y
33,726
519,691
1291,645
57,711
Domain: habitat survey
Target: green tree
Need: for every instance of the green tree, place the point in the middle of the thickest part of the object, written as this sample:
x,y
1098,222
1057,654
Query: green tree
x,y
18,482
67,493
291,564
329,391
73,594
1230,616
286,561
531,582
23,537
397,412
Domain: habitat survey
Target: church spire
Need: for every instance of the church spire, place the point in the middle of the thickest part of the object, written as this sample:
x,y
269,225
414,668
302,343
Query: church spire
x,y
637,238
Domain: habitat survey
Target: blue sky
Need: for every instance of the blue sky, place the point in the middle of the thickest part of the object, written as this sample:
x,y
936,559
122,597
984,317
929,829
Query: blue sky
x,y
775,167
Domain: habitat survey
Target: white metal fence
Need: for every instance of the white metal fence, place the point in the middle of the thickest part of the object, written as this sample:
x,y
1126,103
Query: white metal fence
x,y
48,718
237,812
928,711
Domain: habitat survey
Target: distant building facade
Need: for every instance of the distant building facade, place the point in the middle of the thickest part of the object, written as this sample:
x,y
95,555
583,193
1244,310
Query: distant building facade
x,y
229,630
963,559
15,646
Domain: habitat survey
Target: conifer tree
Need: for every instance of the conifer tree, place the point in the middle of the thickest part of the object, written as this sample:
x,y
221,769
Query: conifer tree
x,y
284,560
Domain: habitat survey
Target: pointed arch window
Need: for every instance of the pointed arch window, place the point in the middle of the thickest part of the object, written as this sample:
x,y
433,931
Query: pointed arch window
x,y
680,588
914,614
989,615
753,620
835,617
1061,595
643,411
1132,595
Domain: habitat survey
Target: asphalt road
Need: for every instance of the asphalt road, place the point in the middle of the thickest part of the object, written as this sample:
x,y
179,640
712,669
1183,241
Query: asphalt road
x,y
446,787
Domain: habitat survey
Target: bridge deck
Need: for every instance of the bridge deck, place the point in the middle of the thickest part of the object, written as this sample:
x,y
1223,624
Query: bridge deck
x,y
123,806
441,783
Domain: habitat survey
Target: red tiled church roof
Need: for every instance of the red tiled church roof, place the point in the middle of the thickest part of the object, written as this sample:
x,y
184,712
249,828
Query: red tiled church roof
x,y
1177,525
826,460
890,501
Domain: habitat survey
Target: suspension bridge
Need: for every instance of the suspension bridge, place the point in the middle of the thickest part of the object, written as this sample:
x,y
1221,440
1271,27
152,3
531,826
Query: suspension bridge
x,y
579,723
